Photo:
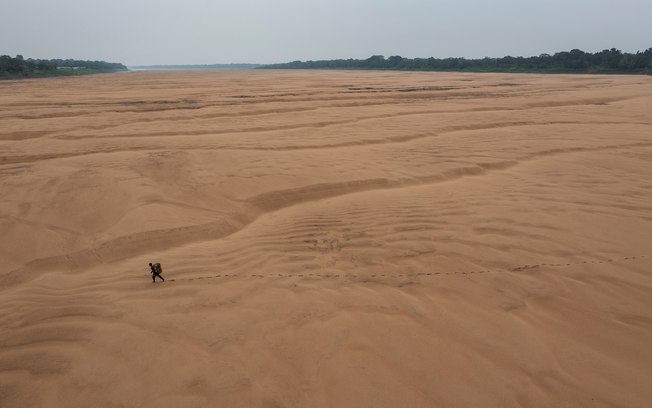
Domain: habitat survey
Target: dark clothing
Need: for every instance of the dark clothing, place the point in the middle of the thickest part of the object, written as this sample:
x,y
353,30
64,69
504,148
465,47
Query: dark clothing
x,y
156,271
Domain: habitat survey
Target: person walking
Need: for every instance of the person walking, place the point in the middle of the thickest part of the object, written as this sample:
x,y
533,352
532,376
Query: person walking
x,y
156,271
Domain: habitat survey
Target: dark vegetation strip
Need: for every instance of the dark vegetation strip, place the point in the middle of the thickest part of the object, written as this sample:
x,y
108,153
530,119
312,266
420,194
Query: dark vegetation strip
x,y
610,61
19,67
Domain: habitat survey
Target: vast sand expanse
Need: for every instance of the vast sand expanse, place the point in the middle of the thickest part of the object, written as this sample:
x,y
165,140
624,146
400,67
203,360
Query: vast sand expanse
x,y
328,239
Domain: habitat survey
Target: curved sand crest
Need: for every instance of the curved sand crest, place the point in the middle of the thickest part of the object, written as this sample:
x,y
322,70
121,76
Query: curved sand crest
x,y
329,239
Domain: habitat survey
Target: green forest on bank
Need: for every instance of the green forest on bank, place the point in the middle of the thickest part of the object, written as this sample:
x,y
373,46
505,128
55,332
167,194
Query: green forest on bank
x,y
608,61
19,67
611,61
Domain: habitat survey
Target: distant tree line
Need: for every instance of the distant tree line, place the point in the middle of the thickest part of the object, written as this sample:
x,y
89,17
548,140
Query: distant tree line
x,y
21,67
574,61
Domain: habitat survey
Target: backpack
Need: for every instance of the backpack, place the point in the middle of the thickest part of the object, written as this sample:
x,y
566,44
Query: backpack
x,y
157,268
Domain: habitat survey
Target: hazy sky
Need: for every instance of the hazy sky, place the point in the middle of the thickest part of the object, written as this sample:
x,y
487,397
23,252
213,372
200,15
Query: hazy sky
x,y
265,31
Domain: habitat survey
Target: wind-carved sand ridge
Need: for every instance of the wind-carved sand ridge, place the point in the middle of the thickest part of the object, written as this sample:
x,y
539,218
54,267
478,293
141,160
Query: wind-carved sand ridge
x,y
127,246
328,239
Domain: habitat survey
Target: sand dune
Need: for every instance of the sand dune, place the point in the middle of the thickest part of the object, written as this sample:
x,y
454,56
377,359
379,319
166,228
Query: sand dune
x,y
329,239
